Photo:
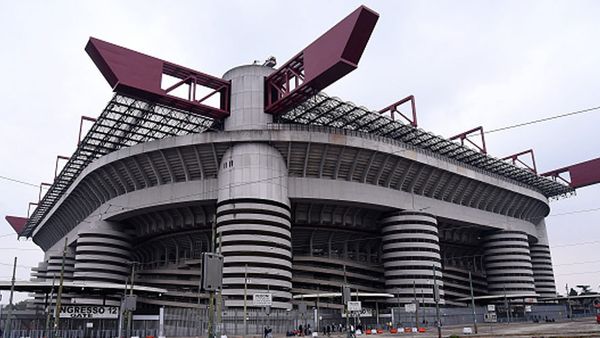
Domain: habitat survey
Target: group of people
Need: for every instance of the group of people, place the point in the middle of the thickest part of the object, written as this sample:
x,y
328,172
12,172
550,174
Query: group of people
x,y
326,330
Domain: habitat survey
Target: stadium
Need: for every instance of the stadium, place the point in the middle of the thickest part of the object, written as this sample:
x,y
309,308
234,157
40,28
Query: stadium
x,y
301,193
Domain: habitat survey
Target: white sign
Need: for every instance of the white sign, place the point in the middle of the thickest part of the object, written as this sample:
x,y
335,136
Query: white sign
x,y
412,308
527,308
262,299
490,317
491,308
363,313
89,311
354,306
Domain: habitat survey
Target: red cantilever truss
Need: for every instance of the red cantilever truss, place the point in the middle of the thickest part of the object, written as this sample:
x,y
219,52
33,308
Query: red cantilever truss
x,y
516,159
393,108
580,174
17,223
137,74
326,60
473,132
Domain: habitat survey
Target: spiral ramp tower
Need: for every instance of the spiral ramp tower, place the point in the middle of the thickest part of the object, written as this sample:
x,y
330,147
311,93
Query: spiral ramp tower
x,y
411,256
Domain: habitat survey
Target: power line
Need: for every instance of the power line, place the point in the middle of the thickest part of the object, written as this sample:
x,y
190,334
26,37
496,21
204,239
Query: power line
x,y
19,181
574,244
578,263
577,273
518,125
574,212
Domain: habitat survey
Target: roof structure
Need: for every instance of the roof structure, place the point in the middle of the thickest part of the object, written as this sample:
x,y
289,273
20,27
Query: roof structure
x,y
328,111
125,122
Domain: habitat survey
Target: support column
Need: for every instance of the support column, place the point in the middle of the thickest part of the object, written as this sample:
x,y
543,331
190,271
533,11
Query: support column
x,y
508,263
254,222
410,251
103,253
53,267
541,261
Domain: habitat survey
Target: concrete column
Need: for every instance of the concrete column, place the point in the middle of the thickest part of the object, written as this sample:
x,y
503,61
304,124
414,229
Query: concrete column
x,y
411,249
508,263
247,98
103,253
541,261
254,220
53,267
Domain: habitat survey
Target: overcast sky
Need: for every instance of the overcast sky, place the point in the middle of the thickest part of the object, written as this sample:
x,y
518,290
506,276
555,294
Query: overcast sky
x,y
469,63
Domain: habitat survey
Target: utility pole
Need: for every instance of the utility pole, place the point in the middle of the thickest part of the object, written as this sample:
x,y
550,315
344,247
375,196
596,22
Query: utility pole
x,y
219,299
416,304
473,302
569,302
506,306
7,327
211,294
130,312
48,306
436,298
60,289
245,300
345,289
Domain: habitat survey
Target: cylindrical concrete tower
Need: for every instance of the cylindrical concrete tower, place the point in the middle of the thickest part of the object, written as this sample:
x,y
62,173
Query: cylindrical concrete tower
x,y
103,254
248,98
508,263
411,250
541,260
253,209
54,267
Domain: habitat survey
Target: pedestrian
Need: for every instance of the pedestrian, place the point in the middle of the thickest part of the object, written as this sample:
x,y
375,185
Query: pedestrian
x,y
328,330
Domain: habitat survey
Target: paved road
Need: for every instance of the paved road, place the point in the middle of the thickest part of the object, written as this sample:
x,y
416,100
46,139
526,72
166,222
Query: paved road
x,y
586,327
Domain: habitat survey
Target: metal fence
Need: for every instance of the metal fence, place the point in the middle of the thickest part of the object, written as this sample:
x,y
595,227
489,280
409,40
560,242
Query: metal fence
x,y
191,322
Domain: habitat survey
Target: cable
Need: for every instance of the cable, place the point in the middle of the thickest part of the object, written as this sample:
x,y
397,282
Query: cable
x,y
578,263
574,212
577,273
18,181
517,125
20,249
574,244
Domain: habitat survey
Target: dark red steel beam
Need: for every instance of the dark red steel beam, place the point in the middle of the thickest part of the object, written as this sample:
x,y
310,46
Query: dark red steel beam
x,y
393,108
58,158
29,208
581,174
83,118
473,132
326,60
17,223
516,158
133,73
42,185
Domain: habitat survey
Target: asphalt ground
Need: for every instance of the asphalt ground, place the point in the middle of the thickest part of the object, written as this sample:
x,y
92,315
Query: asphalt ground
x,y
584,327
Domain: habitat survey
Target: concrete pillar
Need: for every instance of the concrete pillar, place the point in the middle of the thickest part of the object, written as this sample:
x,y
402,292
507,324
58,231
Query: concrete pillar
x,y
507,262
411,249
253,208
53,267
541,261
247,98
103,253
254,220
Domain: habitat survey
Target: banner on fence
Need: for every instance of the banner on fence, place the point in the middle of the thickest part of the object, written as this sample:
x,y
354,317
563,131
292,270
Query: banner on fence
x,y
89,311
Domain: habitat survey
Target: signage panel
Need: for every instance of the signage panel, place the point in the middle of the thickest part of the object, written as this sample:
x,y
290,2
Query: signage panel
x,y
354,306
262,299
89,311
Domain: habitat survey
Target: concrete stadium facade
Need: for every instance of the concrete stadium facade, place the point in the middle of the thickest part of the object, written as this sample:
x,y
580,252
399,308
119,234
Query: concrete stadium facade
x,y
299,210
